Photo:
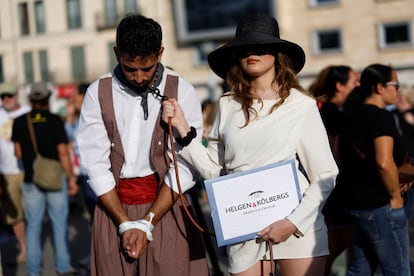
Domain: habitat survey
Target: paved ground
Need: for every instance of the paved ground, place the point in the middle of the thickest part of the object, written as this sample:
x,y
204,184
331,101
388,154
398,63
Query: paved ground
x,y
79,247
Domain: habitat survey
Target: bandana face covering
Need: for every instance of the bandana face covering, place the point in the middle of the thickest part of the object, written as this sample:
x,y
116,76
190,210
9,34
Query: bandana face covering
x,y
143,92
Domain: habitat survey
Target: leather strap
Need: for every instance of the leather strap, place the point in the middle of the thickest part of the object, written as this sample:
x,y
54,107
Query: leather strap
x,y
159,142
108,115
31,131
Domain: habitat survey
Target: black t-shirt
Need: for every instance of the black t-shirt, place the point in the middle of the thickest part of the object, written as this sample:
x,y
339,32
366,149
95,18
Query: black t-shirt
x,y
359,179
335,122
333,118
49,131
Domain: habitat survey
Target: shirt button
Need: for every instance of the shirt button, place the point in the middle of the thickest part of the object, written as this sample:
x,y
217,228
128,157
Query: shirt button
x,y
112,144
159,143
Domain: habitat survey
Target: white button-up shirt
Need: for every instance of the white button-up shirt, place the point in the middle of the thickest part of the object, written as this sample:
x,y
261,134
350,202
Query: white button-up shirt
x,y
135,132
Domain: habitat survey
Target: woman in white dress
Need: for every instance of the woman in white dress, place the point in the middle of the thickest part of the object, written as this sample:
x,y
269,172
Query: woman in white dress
x,y
266,118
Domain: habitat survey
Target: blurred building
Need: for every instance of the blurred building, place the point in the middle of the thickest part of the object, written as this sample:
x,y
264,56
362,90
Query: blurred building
x,y
70,41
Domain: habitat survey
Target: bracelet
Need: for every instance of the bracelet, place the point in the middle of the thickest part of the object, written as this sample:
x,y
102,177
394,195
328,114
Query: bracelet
x,y
185,141
141,224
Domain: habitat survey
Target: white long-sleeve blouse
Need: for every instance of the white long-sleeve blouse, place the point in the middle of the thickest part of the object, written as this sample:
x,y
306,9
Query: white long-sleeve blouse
x,y
294,129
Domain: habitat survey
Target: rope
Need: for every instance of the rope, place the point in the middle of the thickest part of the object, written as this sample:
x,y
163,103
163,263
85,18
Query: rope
x,y
272,261
182,198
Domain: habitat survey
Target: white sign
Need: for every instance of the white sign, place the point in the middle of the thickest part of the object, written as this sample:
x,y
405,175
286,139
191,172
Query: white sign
x,y
244,203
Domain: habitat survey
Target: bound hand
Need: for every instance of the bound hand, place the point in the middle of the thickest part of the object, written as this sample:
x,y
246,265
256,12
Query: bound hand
x,y
134,242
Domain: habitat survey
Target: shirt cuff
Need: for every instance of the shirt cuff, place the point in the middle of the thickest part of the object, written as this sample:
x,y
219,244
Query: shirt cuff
x,y
186,181
102,184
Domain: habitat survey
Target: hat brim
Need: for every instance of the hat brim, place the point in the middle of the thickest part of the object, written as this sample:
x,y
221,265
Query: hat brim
x,y
222,58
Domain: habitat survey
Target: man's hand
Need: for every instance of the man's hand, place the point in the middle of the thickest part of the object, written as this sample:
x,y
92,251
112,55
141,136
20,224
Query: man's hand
x,y
134,242
73,188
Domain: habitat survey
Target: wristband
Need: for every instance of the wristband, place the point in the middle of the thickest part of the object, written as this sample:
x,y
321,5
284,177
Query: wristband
x,y
185,141
141,224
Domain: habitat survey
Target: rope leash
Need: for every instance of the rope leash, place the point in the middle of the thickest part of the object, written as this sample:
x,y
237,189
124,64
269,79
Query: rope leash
x,y
182,198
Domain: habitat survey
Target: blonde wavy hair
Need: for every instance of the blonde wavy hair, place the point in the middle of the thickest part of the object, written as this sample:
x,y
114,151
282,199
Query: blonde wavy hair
x,y
241,87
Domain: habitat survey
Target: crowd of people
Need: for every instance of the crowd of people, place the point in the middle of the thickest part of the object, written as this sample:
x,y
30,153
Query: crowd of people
x,y
140,140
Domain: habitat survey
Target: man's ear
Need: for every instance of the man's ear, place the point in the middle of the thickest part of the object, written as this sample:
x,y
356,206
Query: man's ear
x,y
160,54
117,54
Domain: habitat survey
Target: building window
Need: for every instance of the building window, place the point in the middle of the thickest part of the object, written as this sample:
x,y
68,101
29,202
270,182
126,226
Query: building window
x,y
396,34
28,67
44,69
40,16
78,63
202,51
327,41
24,19
130,6
316,3
111,12
1,70
112,58
74,14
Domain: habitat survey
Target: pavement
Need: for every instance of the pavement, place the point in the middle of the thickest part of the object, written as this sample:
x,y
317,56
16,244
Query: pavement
x,y
79,240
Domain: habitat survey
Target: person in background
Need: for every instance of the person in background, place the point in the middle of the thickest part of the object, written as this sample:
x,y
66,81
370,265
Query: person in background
x,y
138,226
52,143
71,126
370,152
12,206
404,118
208,108
266,118
334,84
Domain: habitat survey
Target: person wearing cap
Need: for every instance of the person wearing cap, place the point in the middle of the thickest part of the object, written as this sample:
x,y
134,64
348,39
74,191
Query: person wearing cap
x,y
139,227
12,208
52,142
266,118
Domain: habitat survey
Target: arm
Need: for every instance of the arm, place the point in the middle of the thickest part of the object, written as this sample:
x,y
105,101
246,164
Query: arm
x,y
64,157
134,241
387,169
207,161
173,111
17,150
314,153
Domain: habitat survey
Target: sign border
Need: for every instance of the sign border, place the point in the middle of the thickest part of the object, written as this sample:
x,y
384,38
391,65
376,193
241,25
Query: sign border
x,y
221,241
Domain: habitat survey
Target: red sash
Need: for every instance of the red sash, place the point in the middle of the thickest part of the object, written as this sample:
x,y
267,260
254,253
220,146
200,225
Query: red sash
x,y
138,190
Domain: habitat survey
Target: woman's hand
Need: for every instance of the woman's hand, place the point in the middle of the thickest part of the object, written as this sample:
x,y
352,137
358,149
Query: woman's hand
x,y
172,110
278,231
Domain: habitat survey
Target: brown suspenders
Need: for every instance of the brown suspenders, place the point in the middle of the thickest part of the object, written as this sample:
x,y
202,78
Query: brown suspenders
x,y
159,142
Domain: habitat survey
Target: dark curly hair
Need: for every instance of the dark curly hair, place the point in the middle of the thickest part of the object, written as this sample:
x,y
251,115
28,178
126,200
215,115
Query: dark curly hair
x,y
138,36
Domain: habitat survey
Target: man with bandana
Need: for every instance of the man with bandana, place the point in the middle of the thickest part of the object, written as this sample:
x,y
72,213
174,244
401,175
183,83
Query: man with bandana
x,y
139,226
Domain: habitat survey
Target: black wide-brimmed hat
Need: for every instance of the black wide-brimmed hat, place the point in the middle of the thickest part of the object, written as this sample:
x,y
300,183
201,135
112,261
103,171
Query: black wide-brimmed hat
x,y
255,30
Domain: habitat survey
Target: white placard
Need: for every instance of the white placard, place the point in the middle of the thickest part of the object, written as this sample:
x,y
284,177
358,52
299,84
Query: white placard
x,y
244,203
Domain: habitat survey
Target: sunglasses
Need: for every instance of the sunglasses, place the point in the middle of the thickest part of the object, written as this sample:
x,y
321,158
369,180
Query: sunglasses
x,y
6,95
396,84
254,50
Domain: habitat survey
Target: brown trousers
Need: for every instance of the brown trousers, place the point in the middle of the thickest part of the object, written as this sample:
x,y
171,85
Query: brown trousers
x,y
177,248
